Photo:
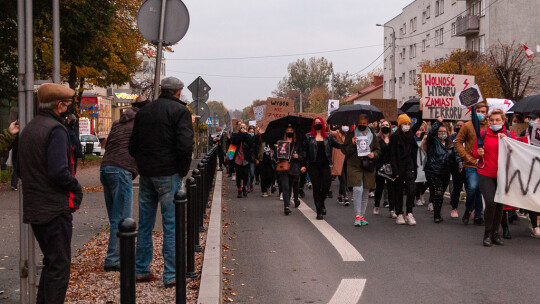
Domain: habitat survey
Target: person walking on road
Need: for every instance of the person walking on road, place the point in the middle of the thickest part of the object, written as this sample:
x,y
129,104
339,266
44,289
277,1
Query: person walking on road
x,y
403,151
266,165
51,193
534,119
488,157
361,169
242,158
339,168
384,166
458,177
118,170
464,143
317,150
442,158
289,180
162,144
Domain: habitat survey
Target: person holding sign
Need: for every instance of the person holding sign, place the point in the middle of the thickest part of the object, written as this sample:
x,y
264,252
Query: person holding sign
x,y
317,153
464,143
442,157
404,150
362,150
289,150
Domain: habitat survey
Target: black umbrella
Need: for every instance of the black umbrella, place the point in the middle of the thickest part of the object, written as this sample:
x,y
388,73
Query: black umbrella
x,y
414,111
410,103
527,104
276,128
348,114
399,112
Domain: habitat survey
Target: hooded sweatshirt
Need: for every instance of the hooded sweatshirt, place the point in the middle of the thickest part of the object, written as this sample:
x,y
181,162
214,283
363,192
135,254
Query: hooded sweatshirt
x,y
117,148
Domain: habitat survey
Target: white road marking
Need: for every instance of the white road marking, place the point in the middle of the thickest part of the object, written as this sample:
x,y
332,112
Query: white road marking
x,y
349,291
345,249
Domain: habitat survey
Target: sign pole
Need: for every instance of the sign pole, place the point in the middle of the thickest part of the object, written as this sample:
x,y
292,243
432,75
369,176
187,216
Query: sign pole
x,y
159,49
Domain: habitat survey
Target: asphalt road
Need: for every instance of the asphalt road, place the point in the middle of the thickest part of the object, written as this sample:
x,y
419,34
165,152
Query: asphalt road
x,y
285,259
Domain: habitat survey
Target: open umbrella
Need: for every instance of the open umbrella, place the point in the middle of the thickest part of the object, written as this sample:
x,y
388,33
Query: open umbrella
x,y
410,103
276,128
414,112
348,114
527,104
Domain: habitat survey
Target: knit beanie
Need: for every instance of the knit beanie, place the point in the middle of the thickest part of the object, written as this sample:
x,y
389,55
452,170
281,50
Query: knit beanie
x,y
403,118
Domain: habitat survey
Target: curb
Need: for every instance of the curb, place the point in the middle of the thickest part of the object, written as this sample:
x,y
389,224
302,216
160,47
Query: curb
x,y
210,288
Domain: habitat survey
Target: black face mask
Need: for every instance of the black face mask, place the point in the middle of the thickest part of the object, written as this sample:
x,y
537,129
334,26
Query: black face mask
x,y
385,130
289,134
422,134
361,128
457,129
318,127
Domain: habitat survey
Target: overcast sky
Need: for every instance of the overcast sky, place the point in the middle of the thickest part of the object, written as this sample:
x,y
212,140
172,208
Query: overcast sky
x,y
236,28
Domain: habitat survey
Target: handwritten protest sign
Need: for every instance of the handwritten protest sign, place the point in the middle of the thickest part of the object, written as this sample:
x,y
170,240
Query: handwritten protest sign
x,y
387,106
439,93
259,112
277,107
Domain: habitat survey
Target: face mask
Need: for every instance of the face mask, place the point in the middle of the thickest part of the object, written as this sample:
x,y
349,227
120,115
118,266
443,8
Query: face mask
x,y
405,128
480,116
345,128
318,126
422,134
385,130
362,128
442,136
514,124
289,134
251,134
457,129
532,122
394,129
495,128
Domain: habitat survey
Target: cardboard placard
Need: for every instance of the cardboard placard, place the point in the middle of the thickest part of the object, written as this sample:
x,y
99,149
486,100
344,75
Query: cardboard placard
x,y
277,107
387,106
439,93
333,104
517,129
262,124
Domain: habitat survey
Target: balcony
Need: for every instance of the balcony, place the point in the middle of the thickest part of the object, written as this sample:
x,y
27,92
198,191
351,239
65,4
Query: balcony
x,y
467,25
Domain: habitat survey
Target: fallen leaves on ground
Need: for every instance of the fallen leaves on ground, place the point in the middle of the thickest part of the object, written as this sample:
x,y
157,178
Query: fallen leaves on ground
x,y
93,189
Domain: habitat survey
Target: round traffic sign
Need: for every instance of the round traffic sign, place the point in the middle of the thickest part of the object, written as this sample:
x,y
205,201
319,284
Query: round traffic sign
x,y
201,109
176,21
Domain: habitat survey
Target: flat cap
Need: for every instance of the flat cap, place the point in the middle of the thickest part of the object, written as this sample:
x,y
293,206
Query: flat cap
x,y
49,92
172,83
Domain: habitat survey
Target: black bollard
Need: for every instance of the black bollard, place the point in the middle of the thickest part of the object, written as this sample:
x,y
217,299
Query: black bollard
x,y
198,205
192,233
127,234
208,176
204,202
180,200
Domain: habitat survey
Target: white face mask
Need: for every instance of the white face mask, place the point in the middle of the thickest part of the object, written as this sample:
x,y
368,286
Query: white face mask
x,y
405,128
345,128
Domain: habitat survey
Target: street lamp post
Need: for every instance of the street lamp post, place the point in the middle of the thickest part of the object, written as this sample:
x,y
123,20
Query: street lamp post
x,y
393,59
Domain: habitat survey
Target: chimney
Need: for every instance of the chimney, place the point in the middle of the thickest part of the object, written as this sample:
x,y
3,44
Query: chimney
x,y
377,80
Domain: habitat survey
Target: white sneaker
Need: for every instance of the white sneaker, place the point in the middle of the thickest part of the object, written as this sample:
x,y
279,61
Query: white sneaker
x,y
410,219
419,203
393,214
400,220
234,177
376,210
281,197
265,194
372,194
430,207
536,232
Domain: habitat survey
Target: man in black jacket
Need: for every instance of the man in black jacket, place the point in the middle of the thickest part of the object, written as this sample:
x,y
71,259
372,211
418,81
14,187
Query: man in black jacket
x,y
51,193
162,144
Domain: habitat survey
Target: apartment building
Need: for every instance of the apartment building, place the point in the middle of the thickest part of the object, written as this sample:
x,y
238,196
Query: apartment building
x,y
431,29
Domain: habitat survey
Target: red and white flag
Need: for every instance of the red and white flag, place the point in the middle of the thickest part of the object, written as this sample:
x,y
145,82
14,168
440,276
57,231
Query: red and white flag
x,y
528,52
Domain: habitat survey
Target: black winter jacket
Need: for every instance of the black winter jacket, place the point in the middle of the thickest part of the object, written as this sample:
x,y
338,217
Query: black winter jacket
x,y
404,150
116,151
441,160
162,138
309,148
246,140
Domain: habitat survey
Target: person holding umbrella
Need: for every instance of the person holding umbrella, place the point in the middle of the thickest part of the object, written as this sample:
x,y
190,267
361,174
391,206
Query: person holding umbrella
x,y
403,151
360,168
317,153
488,157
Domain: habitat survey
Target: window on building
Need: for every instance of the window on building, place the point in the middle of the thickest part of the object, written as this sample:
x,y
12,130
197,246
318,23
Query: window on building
x,y
472,45
410,52
482,7
415,23
473,8
400,58
391,87
441,7
410,77
436,8
453,29
404,28
441,35
436,37
428,41
384,63
384,85
482,44
385,41
424,17
403,77
424,45
400,80
413,77
428,11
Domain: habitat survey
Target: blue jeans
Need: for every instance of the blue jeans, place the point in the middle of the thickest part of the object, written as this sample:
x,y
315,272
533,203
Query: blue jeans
x,y
154,190
118,189
474,197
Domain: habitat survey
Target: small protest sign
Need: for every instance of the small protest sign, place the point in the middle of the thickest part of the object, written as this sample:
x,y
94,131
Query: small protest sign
x,y
277,107
503,104
253,123
283,149
84,126
333,105
439,93
535,135
259,112
470,96
388,107
362,145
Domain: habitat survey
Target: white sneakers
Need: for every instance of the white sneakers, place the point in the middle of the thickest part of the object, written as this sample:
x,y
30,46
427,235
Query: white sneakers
x,y
393,214
400,220
419,203
536,232
265,194
410,219
376,210
430,207
281,197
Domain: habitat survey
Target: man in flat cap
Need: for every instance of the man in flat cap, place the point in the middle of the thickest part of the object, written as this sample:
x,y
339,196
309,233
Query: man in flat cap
x,y
161,143
51,193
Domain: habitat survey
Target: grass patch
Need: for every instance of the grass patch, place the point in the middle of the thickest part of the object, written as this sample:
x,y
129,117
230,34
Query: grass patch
x,y
5,176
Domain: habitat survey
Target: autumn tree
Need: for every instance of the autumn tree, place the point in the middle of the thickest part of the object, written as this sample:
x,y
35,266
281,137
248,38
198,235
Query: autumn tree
x,y
319,97
8,50
465,62
218,110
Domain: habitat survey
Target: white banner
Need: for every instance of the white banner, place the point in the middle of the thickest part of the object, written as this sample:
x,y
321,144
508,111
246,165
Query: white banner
x,y
518,177
503,104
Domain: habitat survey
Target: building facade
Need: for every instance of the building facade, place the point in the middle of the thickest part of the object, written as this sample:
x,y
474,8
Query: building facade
x,y
431,29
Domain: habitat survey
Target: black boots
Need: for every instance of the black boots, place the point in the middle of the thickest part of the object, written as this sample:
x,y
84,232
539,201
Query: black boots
x,y
239,194
487,239
492,238
287,211
466,217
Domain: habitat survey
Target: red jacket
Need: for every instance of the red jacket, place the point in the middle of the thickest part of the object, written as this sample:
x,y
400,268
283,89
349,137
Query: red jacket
x,y
491,152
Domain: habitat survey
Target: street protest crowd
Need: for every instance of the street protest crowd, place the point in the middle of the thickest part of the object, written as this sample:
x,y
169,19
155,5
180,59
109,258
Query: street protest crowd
x,y
368,155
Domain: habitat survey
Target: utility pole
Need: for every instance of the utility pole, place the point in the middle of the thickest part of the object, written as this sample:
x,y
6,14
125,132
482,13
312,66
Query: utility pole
x,y
159,56
393,80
